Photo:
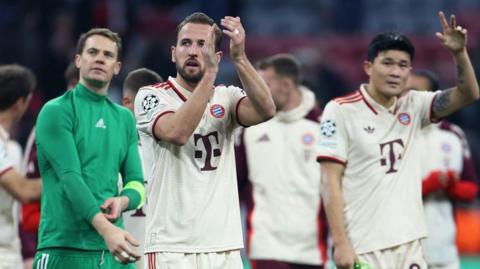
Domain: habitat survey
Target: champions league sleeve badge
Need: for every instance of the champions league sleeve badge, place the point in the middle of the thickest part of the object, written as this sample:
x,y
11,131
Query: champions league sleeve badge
x,y
150,102
328,128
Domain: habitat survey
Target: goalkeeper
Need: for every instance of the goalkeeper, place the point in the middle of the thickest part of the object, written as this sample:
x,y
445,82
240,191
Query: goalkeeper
x,y
84,140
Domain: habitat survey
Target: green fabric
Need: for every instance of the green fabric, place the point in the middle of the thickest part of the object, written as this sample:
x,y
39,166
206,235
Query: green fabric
x,y
135,192
76,259
83,141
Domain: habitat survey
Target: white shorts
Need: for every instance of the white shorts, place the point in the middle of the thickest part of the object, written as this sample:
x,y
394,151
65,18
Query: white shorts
x,y
405,256
175,260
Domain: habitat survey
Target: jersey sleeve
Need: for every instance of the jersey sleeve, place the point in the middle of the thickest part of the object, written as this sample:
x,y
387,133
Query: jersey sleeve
x,y
5,163
131,169
235,95
56,144
423,105
150,105
333,143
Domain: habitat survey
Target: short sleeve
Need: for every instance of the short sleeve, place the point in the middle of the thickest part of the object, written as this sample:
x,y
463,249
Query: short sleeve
x,y
333,143
235,96
150,105
5,162
423,102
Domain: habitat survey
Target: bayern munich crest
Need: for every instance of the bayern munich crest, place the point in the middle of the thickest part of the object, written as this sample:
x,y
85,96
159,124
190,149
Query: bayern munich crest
x,y
404,118
328,128
150,102
308,139
217,111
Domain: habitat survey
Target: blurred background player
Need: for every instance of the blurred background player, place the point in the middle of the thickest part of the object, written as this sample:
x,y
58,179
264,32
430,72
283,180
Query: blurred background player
x,y
369,152
84,141
16,86
134,221
31,211
186,129
276,169
448,177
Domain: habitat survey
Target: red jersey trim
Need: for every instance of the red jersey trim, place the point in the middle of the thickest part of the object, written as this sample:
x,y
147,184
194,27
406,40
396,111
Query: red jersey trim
x,y
351,96
236,112
6,170
330,158
155,122
177,91
430,115
359,98
368,104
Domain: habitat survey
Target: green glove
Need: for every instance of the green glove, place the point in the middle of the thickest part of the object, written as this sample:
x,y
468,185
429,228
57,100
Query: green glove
x,y
361,265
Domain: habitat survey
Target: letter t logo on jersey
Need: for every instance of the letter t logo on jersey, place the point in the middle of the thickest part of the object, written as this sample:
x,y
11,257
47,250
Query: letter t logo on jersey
x,y
390,157
209,150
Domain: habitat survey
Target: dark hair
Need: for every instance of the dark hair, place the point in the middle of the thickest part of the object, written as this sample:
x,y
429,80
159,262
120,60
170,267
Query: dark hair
x,y
430,76
139,78
102,32
284,65
201,18
16,82
71,74
389,41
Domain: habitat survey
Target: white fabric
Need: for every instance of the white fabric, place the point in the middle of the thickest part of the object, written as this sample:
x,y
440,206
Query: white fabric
x,y
10,156
381,185
280,155
177,260
192,197
405,256
443,151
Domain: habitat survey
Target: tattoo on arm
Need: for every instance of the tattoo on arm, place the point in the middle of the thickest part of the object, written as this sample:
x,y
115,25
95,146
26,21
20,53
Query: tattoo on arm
x,y
442,101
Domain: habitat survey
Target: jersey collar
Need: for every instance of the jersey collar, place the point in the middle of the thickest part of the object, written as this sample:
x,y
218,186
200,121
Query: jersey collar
x,y
373,105
4,136
85,92
179,90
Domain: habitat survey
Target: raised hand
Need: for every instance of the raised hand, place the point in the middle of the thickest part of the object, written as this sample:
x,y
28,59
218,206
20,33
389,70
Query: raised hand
x,y
233,28
208,51
453,37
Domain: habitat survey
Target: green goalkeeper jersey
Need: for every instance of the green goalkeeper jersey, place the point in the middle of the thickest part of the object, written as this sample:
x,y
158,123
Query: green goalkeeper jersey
x,y
84,141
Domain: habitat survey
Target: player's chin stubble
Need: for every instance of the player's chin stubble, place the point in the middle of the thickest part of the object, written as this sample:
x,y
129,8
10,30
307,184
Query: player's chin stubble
x,y
191,79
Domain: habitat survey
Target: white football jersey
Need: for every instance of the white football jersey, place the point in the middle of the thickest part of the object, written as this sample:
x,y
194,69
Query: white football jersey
x,y
381,184
280,157
443,151
10,157
192,201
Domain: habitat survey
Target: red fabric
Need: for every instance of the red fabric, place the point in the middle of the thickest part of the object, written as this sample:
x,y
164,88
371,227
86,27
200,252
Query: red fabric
x,y
431,183
31,217
463,190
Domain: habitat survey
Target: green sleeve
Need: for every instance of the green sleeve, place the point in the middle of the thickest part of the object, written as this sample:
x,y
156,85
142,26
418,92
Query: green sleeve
x,y
54,132
131,169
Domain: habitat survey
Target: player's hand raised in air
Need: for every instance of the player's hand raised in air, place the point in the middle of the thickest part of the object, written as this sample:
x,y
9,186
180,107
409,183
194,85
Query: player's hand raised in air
x,y
234,29
208,51
344,256
453,37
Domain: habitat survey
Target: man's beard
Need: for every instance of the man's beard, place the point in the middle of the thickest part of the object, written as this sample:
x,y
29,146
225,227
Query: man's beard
x,y
191,79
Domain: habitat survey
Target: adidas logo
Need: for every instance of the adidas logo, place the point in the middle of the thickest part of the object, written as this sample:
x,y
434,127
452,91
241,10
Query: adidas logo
x,y
100,124
369,129
263,138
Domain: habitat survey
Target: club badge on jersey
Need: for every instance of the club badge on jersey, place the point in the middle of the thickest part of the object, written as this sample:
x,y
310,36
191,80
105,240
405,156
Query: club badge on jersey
x,y
218,111
404,118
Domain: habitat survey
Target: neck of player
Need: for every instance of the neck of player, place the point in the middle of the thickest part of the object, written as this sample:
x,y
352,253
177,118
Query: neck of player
x,y
382,99
294,100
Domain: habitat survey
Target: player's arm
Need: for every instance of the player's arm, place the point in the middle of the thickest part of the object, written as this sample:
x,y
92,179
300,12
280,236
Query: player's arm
x,y
466,91
332,173
178,127
19,187
132,195
56,144
258,106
